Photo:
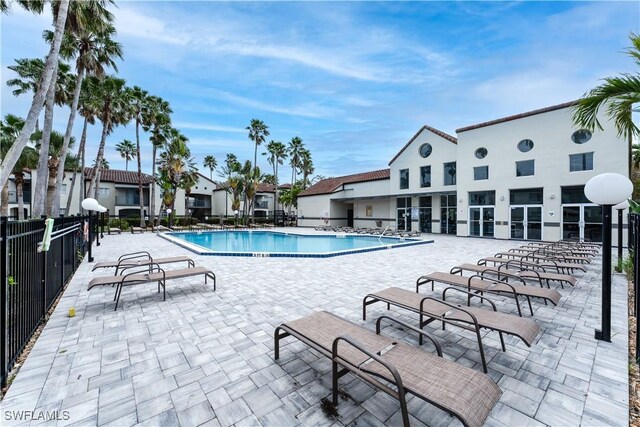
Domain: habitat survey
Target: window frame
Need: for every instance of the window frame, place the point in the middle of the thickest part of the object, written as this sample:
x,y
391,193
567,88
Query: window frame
x,y
584,161
422,168
401,172
520,162
476,169
452,177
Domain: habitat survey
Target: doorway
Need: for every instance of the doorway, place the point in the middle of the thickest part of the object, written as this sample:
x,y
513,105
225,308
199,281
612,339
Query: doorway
x,y
525,222
582,221
349,217
481,221
403,214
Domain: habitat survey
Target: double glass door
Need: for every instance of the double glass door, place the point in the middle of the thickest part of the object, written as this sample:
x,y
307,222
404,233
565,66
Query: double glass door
x,y
526,222
481,221
582,221
403,220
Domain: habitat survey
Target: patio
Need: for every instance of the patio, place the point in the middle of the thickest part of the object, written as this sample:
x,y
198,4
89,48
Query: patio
x,y
204,357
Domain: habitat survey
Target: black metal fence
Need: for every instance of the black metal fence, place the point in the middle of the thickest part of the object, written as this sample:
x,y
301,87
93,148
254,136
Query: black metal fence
x,y
634,245
32,280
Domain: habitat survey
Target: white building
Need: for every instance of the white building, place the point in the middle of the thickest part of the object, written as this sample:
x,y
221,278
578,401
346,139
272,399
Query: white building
x,y
519,177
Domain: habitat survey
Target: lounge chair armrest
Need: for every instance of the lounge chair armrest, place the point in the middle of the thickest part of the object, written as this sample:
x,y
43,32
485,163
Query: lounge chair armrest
x,y
413,328
394,372
134,255
148,268
469,294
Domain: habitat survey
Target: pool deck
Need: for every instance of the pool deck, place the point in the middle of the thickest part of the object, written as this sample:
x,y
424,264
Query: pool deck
x,y
206,358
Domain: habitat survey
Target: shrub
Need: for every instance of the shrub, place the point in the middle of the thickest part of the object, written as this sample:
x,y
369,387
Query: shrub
x,y
122,224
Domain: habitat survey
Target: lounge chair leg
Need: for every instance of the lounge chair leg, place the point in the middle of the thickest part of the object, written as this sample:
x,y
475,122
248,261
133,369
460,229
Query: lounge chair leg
x,y
420,340
481,347
502,341
530,307
403,408
164,291
334,380
277,336
388,306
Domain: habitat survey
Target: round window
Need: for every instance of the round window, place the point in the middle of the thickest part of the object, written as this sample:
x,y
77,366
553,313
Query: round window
x,y
581,136
425,150
481,153
525,145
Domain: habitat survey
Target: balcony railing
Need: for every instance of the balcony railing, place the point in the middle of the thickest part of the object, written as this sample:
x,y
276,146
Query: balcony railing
x,y
199,203
129,201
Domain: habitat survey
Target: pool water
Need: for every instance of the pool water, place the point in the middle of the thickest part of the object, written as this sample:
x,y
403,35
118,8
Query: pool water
x,y
271,243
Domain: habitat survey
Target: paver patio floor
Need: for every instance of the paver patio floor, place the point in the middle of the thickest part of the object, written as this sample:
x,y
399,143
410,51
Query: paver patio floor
x,y
206,358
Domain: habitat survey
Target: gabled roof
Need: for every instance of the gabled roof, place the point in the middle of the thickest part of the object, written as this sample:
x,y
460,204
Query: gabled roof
x,y
519,116
118,176
262,187
329,185
423,128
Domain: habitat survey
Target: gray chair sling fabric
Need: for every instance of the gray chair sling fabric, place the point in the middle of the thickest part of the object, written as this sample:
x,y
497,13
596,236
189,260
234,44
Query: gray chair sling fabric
x,y
467,394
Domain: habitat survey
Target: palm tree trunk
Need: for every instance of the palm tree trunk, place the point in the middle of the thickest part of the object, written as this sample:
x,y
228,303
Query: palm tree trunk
x,y
140,191
67,139
152,201
49,75
19,180
51,209
97,189
275,202
73,180
94,179
40,201
4,205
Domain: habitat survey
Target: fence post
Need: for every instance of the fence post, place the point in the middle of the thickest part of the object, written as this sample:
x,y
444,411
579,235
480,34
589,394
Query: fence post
x,y
62,275
4,276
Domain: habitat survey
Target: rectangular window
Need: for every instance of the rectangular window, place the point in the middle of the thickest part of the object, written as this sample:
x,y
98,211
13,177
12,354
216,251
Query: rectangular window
x,y
450,173
529,196
482,198
425,202
581,162
480,173
525,168
403,202
574,195
404,179
63,189
103,192
425,176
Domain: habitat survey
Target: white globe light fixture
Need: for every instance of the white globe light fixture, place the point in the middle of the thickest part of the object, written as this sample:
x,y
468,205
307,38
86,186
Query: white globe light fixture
x,y
622,206
101,209
607,190
90,204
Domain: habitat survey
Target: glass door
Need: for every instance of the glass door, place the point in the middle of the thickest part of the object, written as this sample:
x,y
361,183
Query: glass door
x,y
403,219
526,222
448,214
582,222
425,220
481,221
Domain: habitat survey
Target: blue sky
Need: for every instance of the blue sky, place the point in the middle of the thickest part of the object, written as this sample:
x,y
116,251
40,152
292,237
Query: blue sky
x,y
354,80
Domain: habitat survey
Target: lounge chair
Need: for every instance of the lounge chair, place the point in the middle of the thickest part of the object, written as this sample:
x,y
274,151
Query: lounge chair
x,y
152,273
480,284
394,367
412,233
469,318
559,255
114,230
560,265
533,264
141,258
137,230
526,274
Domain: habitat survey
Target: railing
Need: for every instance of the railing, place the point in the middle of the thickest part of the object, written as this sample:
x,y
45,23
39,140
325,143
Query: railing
x,y
32,280
130,201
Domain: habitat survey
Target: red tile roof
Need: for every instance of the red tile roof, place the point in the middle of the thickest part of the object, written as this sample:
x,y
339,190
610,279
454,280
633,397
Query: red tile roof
x,y
262,187
519,116
430,129
118,176
329,185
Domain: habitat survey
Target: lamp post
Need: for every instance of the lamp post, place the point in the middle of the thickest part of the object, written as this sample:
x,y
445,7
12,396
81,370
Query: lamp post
x,y
236,214
90,204
169,217
620,207
607,190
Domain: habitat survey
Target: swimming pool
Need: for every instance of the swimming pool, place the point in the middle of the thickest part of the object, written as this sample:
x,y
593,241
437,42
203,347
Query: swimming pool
x,y
279,244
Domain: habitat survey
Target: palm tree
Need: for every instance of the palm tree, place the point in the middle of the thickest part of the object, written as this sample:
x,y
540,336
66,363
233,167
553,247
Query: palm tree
x,y
158,122
127,151
231,166
211,163
9,131
56,144
48,77
635,155
294,148
30,72
92,45
139,100
89,115
104,164
176,167
619,95
277,153
108,97
258,132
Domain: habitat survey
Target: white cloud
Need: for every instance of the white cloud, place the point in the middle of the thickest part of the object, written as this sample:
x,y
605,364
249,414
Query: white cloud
x,y
213,128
